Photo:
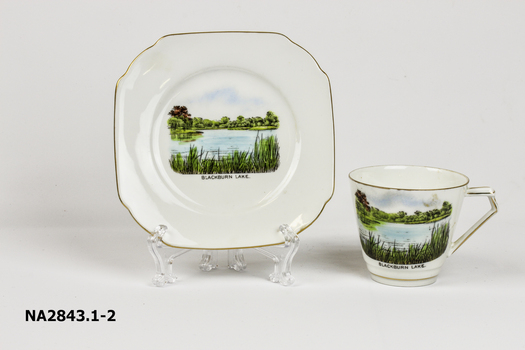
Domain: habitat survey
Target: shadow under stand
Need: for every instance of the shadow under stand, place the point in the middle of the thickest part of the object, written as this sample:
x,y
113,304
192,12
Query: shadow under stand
x,y
282,262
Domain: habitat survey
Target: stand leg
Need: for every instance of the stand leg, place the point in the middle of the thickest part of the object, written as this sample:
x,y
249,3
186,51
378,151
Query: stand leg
x,y
282,272
292,243
208,261
162,276
236,260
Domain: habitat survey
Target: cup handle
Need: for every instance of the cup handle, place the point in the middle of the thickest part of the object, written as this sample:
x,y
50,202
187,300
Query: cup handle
x,y
475,192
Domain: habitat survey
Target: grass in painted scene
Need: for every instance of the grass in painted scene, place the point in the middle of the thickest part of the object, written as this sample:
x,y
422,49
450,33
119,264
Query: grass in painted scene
x,y
262,159
415,253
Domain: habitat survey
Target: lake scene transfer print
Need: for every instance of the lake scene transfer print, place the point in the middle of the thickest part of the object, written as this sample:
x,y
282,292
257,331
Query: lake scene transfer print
x,y
403,238
225,145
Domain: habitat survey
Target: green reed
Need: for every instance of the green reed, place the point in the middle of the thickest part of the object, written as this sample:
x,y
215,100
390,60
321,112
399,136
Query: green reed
x,y
415,254
264,158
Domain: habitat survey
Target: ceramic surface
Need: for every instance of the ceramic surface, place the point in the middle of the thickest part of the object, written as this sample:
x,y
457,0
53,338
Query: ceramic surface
x,y
406,219
223,137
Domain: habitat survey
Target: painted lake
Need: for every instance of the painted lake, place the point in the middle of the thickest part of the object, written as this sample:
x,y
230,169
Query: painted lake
x,y
402,235
218,142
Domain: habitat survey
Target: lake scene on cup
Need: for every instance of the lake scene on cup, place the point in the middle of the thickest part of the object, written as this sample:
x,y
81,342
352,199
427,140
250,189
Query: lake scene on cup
x,y
225,145
400,237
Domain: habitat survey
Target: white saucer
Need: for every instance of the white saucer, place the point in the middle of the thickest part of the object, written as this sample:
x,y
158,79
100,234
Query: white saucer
x,y
214,75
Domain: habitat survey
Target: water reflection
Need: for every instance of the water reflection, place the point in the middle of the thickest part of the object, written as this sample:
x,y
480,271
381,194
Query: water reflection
x,y
402,235
186,136
218,142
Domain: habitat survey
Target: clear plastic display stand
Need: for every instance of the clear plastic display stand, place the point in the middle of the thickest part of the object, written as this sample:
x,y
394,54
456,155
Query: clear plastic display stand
x,y
282,263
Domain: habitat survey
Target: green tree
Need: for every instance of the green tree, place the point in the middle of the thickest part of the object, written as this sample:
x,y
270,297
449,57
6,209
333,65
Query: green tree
x,y
197,122
446,209
207,123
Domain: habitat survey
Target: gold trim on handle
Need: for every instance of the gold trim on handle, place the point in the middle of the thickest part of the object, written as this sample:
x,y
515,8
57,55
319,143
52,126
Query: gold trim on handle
x,y
483,220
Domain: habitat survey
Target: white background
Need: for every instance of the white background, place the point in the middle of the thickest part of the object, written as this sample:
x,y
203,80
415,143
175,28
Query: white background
x,y
438,83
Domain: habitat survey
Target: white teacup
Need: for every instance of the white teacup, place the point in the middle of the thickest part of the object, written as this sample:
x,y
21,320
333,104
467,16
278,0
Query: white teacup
x,y
406,216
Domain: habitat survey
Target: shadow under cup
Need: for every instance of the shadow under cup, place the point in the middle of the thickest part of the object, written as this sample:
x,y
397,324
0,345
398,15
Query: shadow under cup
x,y
406,217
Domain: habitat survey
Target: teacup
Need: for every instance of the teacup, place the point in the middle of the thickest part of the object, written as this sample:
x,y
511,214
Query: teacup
x,y
406,216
